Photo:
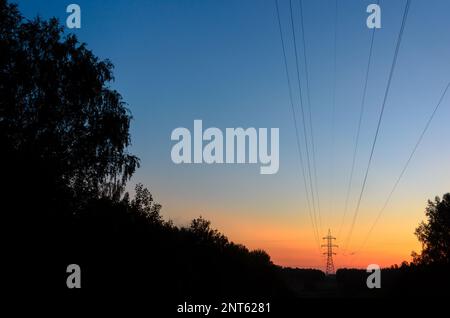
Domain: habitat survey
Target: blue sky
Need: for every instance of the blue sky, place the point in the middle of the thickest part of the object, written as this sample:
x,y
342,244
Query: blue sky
x,y
221,61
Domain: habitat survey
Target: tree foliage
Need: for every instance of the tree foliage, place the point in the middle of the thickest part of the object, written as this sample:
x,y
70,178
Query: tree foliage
x,y
57,108
144,205
434,234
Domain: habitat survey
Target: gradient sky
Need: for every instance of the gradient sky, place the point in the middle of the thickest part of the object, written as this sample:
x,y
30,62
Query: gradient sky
x,y
221,61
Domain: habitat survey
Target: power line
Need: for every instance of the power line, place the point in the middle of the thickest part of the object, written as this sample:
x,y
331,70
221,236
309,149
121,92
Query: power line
x,y
427,125
309,105
361,112
296,125
405,14
305,134
333,107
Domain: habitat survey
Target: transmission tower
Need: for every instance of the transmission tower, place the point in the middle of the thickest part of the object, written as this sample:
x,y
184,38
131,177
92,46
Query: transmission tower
x,y
329,253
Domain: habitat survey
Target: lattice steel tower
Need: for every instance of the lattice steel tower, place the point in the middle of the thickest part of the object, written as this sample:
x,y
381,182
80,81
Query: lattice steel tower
x,y
329,253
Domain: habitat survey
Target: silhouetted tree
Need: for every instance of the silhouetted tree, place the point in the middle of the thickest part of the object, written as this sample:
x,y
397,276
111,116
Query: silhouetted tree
x,y
203,230
434,234
144,205
261,256
64,134
56,107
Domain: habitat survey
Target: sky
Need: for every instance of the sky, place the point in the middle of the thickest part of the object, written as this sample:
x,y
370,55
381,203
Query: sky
x,y
222,62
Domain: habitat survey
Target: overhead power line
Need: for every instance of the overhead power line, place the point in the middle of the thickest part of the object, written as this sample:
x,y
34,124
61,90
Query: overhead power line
x,y
333,107
305,133
355,149
427,125
386,93
309,106
312,217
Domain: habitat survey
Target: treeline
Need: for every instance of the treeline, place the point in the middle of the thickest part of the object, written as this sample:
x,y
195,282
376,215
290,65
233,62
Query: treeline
x,y
126,245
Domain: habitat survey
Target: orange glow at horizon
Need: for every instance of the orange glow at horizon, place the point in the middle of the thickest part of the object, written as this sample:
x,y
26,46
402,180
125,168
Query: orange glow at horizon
x,y
291,242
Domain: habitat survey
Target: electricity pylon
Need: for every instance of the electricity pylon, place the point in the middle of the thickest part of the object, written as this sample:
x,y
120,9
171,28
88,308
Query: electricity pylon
x,y
329,253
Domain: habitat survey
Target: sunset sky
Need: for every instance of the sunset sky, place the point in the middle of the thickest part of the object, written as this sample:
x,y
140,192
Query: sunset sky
x,y
222,62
